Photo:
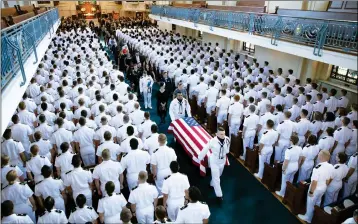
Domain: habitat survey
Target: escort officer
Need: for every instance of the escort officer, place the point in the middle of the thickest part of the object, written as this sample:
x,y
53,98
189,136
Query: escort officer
x,y
219,147
145,87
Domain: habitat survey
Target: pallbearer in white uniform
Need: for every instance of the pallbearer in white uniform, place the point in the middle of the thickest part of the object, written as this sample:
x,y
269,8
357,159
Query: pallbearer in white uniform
x,y
178,107
219,147
145,87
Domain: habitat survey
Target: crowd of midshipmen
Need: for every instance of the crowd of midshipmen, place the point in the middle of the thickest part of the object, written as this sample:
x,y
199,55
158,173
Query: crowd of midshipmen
x,y
295,120
78,110
79,135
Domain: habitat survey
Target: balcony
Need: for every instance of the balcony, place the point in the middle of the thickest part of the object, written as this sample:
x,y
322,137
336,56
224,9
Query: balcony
x,y
319,34
22,47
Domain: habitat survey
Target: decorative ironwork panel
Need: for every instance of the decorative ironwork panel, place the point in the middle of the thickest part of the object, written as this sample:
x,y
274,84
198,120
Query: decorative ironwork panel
x,y
20,41
338,35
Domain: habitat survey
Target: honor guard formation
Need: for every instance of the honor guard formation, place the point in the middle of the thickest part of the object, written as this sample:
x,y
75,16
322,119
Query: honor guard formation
x,y
82,148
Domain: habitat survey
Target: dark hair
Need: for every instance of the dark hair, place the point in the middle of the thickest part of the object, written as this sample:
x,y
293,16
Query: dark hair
x,y
174,166
81,200
64,147
49,203
330,116
46,171
7,208
342,157
154,128
110,188
270,123
312,140
194,194
133,143
130,130
304,112
76,161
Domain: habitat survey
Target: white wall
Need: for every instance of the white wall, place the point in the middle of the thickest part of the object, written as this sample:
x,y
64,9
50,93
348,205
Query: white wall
x,y
271,5
207,37
278,59
214,2
164,26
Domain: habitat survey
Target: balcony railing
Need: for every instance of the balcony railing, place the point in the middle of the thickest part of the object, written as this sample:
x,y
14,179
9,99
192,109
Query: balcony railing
x,y
18,42
328,34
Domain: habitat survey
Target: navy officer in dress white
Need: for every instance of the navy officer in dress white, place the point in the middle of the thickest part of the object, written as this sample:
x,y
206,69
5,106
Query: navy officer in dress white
x,y
321,175
178,107
195,211
219,146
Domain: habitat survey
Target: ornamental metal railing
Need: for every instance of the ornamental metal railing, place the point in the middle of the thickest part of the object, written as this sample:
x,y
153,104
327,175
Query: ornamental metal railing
x,y
318,33
19,41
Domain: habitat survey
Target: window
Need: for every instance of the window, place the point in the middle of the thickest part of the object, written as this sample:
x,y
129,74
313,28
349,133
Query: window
x,y
344,75
248,47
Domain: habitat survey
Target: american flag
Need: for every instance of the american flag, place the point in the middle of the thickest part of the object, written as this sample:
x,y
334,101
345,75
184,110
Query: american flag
x,y
193,138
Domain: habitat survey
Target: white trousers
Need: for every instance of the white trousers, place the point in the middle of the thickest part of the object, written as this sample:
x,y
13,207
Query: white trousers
x,y
147,98
210,106
301,140
160,179
248,142
305,171
132,180
264,158
286,177
339,148
60,203
350,186
311,202
332,192
25,208
145,215
217,168
234,126
89,159
222,116
173,206
280,150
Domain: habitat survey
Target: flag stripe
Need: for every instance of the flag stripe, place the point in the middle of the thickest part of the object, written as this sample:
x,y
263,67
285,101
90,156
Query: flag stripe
x,y
198,138
193,138
187,139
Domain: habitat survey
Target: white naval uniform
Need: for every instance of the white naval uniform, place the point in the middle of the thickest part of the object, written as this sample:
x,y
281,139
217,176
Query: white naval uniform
x,y
125,144
211,94
111,207
17,218
309,152
321,173
64,162
342,136
174,186
113,148
268,138
84,136
223,105
45,148
79,180
285,130
263,120
352,147
122,132
53,216
145,128
19,194
83,215
60,136
7,168
292,155
137,117
340,171
151,143
12,149
236,111
351,185
162,157
177,109
100,132
145,86
143,197
21,132
193,213
301,129
108,171
217,160
35,164
51,187
250,124
135,161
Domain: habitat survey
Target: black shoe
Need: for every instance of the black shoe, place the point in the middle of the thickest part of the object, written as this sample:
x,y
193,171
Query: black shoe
x,y
211,186
219,200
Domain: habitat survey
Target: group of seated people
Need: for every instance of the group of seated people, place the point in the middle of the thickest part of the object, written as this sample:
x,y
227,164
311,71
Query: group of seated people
x,y
79,149
292,120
